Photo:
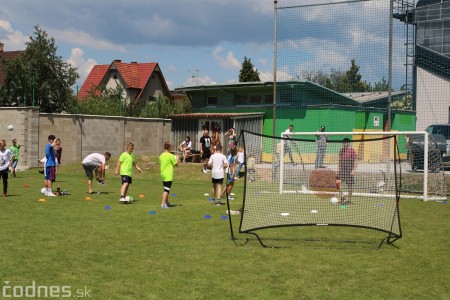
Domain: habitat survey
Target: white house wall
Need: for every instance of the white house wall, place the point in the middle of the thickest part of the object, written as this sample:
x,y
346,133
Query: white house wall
x,y
433,99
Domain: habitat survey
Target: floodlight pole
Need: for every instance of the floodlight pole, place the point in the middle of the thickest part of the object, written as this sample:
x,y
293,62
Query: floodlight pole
x,y
274,106
389,120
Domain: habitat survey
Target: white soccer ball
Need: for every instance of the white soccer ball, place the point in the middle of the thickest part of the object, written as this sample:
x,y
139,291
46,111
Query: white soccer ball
x,y
10,127
334,200
43,190
129,199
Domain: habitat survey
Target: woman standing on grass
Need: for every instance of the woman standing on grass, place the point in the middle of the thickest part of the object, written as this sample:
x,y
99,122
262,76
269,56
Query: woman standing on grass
x,y
5,162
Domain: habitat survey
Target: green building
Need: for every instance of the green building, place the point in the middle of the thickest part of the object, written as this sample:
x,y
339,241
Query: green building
x,y
304,104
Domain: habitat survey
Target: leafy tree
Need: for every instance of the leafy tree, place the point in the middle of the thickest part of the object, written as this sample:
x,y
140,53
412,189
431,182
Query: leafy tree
x,y
381,86
248,71
163,107
39,74
343,82
404,104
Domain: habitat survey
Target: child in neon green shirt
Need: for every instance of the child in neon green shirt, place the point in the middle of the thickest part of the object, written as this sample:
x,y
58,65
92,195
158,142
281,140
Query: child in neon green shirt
x,y
125,164
15,147
167,161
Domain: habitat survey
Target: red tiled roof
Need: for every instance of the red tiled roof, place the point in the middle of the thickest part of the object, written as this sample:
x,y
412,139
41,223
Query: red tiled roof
x,y
134,76
8,55
94,79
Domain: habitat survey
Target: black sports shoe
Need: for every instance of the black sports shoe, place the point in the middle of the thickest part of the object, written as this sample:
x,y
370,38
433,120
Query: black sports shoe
x,y
41,171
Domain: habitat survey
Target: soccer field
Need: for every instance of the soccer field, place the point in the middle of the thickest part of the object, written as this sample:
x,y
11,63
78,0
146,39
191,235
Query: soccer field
x,y
101,249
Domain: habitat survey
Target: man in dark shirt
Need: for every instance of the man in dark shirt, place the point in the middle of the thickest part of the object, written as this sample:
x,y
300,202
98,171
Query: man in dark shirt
x,y
205,150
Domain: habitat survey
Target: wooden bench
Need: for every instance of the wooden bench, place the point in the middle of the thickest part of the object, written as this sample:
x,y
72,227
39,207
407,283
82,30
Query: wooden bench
x,y
193,158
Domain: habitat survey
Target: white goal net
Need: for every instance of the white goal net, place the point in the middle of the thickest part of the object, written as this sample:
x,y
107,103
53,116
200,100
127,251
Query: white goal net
x,y
343,179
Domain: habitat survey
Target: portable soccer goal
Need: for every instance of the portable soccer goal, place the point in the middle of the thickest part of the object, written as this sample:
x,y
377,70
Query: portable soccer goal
x,y
356,180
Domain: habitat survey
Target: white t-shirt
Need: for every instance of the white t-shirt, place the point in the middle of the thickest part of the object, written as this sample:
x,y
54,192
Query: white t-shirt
x,y
217,161
240,157
94,159
5,158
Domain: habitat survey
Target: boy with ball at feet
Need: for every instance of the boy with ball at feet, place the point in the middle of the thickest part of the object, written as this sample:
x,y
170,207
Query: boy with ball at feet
x,y
167,161
125,165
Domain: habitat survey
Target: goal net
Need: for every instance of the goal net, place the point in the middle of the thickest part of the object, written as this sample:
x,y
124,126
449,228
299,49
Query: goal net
x,y
342,179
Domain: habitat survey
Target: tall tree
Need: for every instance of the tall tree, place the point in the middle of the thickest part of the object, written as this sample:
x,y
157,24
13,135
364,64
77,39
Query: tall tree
x,y
39,74
248,71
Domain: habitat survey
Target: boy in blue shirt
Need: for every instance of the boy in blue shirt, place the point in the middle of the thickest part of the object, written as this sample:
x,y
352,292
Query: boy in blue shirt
x,y
50,165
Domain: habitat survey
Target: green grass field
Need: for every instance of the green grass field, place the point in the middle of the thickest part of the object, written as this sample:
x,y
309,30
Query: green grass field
x,y
69,243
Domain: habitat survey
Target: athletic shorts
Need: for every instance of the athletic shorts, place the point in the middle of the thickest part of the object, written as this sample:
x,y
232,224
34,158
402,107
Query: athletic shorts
x,y
126,179
348,178
14,164
50,173
206,155
230,178
89,169
167,185
217,181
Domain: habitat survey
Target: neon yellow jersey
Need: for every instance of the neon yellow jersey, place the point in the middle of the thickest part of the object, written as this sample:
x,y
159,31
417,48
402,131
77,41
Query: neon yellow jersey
x,y
126,163
167,160
15,151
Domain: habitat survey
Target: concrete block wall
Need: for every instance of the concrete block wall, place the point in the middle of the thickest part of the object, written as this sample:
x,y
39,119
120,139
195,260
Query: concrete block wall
x,y
80,134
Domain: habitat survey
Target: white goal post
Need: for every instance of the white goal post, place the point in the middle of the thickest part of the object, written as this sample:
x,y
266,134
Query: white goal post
x,y
382,165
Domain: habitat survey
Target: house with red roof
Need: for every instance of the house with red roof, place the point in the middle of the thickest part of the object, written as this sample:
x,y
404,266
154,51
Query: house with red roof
x,y
138,81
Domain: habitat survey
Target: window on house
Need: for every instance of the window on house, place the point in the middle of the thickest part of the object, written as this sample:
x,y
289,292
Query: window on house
x,y
268,99
212,101
241,99
255,99
151,99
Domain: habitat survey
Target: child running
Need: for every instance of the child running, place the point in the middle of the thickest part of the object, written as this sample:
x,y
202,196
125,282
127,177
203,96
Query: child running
x,y
5,162
230,173
15,149
218,161
167,161
125,164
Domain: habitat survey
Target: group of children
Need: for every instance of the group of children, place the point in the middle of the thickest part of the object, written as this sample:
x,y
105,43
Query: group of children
x,y
232,163
96,162
8,162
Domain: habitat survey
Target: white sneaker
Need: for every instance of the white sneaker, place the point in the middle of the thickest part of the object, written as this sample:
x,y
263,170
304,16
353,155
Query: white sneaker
x,y
233,212
230,198
123,200
50,194
204,171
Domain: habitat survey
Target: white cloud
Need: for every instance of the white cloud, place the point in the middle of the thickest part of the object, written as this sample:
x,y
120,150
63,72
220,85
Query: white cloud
x,y
6,26
192,81
14,40
81,38
77,60
266,76
227,62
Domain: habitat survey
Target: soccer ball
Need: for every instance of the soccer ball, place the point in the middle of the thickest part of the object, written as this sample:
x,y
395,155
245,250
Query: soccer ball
x,y
43,190
129,199
10,127
334,200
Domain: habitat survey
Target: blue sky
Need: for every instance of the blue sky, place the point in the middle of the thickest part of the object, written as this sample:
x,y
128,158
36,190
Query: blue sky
x,y
194,41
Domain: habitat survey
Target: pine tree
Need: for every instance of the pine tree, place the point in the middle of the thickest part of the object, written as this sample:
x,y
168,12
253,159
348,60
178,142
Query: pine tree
x,y
248,72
